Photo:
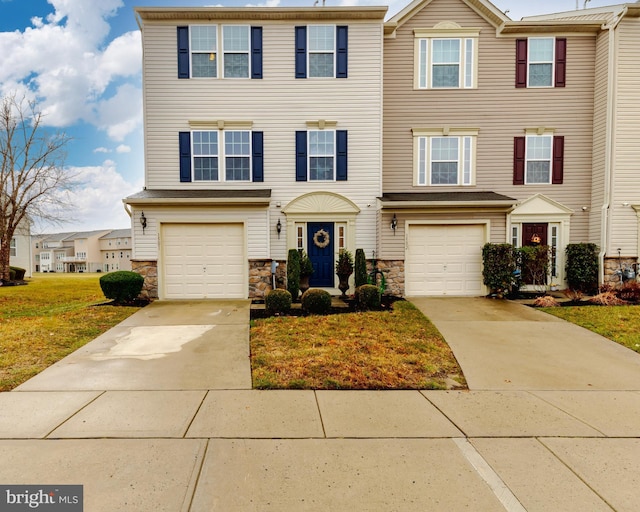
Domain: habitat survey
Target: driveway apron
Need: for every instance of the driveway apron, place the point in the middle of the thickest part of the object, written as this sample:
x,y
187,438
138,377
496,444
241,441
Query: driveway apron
x,y
164,346
503,345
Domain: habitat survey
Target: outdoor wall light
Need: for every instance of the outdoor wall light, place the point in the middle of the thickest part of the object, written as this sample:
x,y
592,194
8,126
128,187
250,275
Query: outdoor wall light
x,y
143,221
394,224
279,228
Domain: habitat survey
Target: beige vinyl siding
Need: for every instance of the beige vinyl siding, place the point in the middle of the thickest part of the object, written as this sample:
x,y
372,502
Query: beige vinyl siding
x,y
393,246
256,221
277,105
626,188
598,196
496,108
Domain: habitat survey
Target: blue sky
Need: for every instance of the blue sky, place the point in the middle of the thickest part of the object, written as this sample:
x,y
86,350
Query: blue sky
x,y
81,60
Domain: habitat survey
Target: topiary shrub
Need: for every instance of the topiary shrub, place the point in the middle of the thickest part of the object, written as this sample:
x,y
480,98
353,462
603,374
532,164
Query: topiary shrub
x,y
293,273
499,267
17,273
534,263
278,302
121,286
360,268
316,302
368,298
582,267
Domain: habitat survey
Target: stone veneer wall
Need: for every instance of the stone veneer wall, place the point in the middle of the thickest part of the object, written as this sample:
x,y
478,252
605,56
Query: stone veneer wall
x,y
148,270
611,265
393,271
260,282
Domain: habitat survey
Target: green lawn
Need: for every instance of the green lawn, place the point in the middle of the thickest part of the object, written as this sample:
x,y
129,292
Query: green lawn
x,y
618,323
49,318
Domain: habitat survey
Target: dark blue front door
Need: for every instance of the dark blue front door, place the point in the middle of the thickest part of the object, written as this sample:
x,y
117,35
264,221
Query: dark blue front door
x,y
318,234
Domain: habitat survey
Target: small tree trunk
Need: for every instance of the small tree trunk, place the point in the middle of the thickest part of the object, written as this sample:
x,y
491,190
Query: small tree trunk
x,y
4,260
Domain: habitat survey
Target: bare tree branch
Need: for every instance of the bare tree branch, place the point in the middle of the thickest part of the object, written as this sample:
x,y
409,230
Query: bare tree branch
x,y
33,179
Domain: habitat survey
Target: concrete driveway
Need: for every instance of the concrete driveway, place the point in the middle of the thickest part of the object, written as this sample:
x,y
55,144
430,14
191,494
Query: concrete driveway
x,y
166,345
503,345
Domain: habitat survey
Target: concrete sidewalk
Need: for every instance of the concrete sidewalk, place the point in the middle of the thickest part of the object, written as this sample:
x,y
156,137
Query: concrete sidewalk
x,y
168,447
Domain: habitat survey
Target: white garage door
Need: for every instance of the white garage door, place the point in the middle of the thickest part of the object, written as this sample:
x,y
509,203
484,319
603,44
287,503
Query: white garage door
x,y
444,260
204,261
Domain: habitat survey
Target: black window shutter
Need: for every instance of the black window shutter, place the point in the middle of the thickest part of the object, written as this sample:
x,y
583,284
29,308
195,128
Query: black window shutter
x,y
256,52
183,52
521,63
301,52
561,62
301,156
257,156
519,150
557,175
341,161
185,156
342,37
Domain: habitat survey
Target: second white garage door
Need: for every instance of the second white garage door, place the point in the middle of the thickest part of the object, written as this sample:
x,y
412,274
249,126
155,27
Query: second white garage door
x,y
444,260
204,261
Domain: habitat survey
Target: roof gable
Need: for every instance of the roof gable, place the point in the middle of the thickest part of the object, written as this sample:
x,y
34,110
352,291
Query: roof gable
x,y
484,8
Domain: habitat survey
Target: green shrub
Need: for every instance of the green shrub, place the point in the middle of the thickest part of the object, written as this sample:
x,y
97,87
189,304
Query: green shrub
x,y
360,268
306,267
121,286
499,265
278,302
344,265
368,298
582,267
293,273
316,302
17,273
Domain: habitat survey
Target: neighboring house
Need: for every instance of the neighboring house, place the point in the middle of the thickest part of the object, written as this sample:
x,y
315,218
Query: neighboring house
x,y
115,248
68,252
615,202
488,134
263,132
20,248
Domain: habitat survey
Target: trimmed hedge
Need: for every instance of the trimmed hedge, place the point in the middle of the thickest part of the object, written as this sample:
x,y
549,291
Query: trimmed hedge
x,y
316,302
277,302
582,267
499,267
293,273
16,273
121,286
360,268
368,298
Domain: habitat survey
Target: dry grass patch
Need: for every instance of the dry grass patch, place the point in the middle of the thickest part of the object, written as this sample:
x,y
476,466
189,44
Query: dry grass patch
x,y
376,350
48,319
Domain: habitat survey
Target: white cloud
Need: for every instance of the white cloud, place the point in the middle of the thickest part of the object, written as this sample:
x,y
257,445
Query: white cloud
x,y
97,199
123,148
122,113
62,61
101,150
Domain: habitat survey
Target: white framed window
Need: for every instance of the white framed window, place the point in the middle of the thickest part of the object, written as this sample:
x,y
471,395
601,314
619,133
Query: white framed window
x,y
236,42
515,236
446,58
321,44
538,156
321,155
553,242
13,247
300,237
342,238
213,161
444,159
540,58
203,41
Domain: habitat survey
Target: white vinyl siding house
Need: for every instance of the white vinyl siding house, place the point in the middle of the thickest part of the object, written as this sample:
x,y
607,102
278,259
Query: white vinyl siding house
x,y
200,132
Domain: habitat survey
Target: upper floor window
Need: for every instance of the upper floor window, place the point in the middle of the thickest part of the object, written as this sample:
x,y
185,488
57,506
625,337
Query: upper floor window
x,y
446,62
538,159
211,51
444,158
221,155
13,247
321,155
321,51
541,62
